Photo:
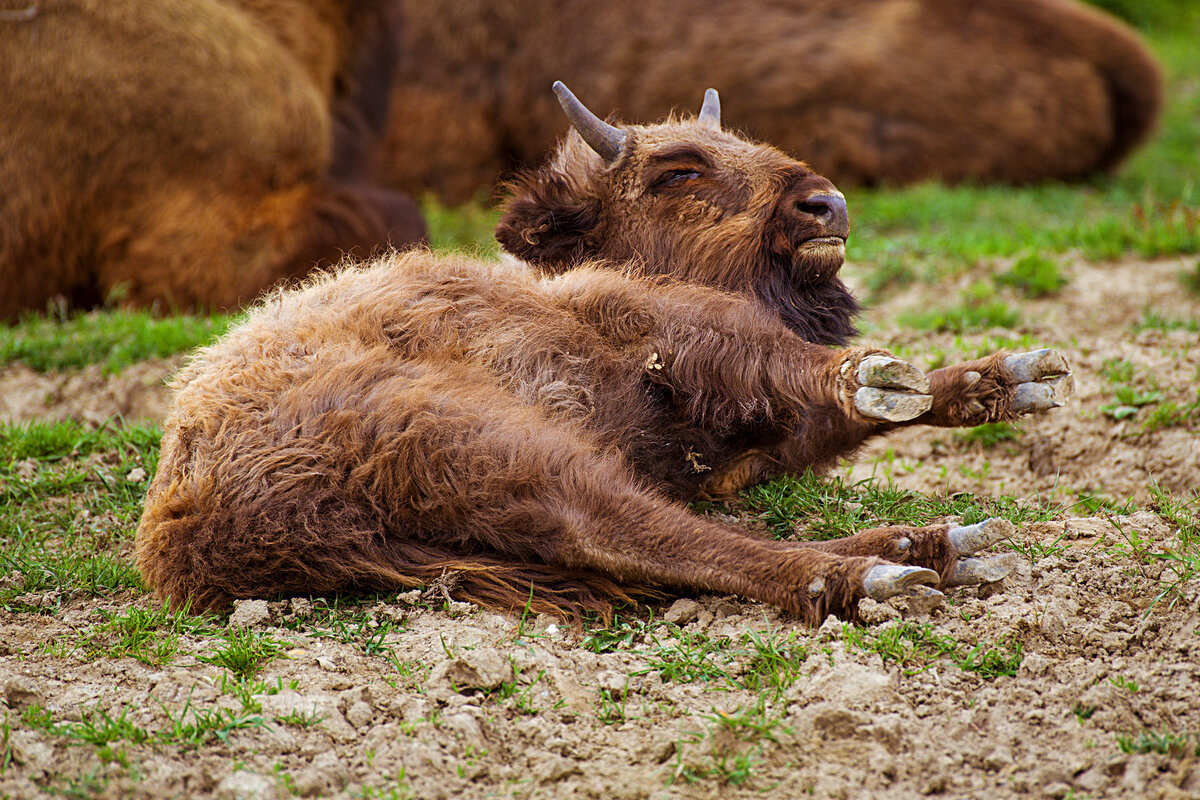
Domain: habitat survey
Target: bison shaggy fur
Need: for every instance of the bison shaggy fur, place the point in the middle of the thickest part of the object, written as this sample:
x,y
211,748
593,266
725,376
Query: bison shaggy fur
x,y
676,330
867,91
189,152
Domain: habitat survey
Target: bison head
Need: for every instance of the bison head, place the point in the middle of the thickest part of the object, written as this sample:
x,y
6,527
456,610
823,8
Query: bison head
x,y
687,199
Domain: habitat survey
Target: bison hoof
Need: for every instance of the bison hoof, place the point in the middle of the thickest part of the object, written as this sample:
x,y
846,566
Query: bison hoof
x,y
891,405
891,389
970,539
887,580
974,571
1043,380
885,372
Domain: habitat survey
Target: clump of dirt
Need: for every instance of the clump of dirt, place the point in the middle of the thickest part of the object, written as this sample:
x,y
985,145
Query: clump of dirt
x,y
137,392
1086,447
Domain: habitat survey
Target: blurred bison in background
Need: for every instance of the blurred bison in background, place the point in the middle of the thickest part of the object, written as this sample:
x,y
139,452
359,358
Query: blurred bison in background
x,y
189,152
866,90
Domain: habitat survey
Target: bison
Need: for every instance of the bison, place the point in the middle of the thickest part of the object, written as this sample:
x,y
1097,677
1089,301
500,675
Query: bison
x,y
867,91
189,152
677,330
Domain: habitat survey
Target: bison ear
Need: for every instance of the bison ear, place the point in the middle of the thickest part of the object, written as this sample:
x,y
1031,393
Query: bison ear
x,y
549,223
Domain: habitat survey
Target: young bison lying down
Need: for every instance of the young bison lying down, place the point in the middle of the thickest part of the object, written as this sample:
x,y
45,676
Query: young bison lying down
x,y
536,434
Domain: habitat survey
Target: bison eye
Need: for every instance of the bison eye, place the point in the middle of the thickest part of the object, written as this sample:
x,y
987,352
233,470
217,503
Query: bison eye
x,y
674,177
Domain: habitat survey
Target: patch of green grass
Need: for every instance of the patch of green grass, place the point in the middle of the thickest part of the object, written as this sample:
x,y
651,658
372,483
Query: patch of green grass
x,y
114,339
148,635
6,753
468,228
1034,276
244,651
775,660
966,317
1190,278
98,727
990,434
1152,319
300,719
913,646
612,705
619,634
1128,401
1133,392
519,695
70,498
684,656
1181,565
1158,14
1167,744
991,661
203,726
828,508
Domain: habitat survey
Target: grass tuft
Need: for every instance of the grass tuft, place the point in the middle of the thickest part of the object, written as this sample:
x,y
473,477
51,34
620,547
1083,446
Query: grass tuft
x,y
113,339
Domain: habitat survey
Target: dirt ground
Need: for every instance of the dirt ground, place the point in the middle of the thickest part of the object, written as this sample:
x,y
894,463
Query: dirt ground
x,y
430,699
1078,449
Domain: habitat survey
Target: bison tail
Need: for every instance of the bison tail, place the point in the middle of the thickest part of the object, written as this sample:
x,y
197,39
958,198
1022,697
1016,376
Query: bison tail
x,y
509,585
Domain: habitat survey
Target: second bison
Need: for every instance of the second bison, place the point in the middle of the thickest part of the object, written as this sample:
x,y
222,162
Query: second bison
x,y
536,434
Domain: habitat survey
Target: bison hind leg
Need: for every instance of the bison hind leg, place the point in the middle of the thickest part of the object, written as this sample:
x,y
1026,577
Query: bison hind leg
x,y
947,550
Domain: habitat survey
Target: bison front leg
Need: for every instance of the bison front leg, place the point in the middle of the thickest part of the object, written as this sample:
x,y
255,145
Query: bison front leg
x,y
998,388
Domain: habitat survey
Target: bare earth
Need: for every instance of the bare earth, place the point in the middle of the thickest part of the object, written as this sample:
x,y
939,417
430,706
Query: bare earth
x,y
472,704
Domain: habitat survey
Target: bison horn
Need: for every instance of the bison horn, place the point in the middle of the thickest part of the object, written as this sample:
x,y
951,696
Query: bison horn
x,y
606,140
710,112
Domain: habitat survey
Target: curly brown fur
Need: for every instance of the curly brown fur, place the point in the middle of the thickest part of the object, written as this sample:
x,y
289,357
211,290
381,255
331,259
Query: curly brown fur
x,y
957,402
532,428
868,91
190,152
927,547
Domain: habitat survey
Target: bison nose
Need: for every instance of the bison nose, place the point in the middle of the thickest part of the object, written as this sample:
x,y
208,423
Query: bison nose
x,y
828,210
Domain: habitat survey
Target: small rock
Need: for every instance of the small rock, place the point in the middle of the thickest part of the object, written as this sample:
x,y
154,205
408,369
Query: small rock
x,y
549,770
326,663
466,726
474,669
872,612
1034,664
831,628
136,475
1092,780
360,715
21,691
613,681
299,608
249,613
27,748
682,611
917,603
313,782
245,786
726,608
1056,789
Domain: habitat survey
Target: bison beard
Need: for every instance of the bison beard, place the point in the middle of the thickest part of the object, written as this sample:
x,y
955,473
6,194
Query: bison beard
x,y
535,434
